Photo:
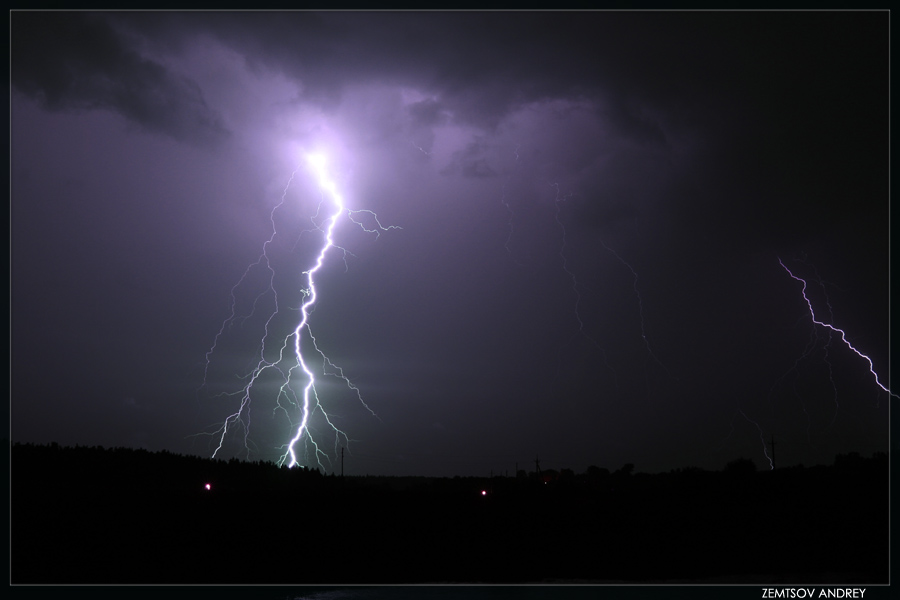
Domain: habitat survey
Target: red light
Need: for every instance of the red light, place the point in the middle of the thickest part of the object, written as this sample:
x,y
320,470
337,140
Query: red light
x,y
207,486
484,492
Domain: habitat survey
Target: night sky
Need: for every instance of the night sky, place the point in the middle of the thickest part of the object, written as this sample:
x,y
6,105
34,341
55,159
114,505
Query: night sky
x,y
590,211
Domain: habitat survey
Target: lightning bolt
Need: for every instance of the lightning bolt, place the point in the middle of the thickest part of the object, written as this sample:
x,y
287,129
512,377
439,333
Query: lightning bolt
x,y
811,345
827,345
807,352
557,202
762,438
637,293
291,362
505,202
762,435
832,328
419,148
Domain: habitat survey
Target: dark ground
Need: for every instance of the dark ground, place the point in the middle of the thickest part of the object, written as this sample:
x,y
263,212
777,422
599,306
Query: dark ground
x,y
95,516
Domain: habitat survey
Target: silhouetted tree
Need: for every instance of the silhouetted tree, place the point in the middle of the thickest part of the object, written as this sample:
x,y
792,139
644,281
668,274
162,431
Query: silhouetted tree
x,y
741,467
625,471
848,461
594,472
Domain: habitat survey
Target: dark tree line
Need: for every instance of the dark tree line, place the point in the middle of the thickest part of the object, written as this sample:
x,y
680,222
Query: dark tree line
x,y
119,515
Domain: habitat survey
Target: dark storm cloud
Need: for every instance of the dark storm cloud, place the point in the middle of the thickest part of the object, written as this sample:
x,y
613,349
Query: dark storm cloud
x,y
644,169
481,64
807,134
470,162
757,93
426,113
629,122
75,60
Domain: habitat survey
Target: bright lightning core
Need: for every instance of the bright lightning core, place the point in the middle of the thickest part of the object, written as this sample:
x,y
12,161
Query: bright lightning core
x,y
296,394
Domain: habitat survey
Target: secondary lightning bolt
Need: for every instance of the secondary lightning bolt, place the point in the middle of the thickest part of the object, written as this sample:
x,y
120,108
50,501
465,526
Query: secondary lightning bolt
x,y
262,260
558,200
806,354
812,314
305,400
762,438
637,293
828,345
505,202
565,263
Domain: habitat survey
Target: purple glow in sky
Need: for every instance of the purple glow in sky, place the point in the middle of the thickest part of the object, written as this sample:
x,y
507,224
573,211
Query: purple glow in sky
x,y
589,211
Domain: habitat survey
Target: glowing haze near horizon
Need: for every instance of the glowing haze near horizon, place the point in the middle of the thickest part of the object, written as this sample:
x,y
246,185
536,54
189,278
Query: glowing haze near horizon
x,y
590,210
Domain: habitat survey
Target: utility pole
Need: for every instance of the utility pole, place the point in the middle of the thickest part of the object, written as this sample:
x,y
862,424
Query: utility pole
x,y
537,465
